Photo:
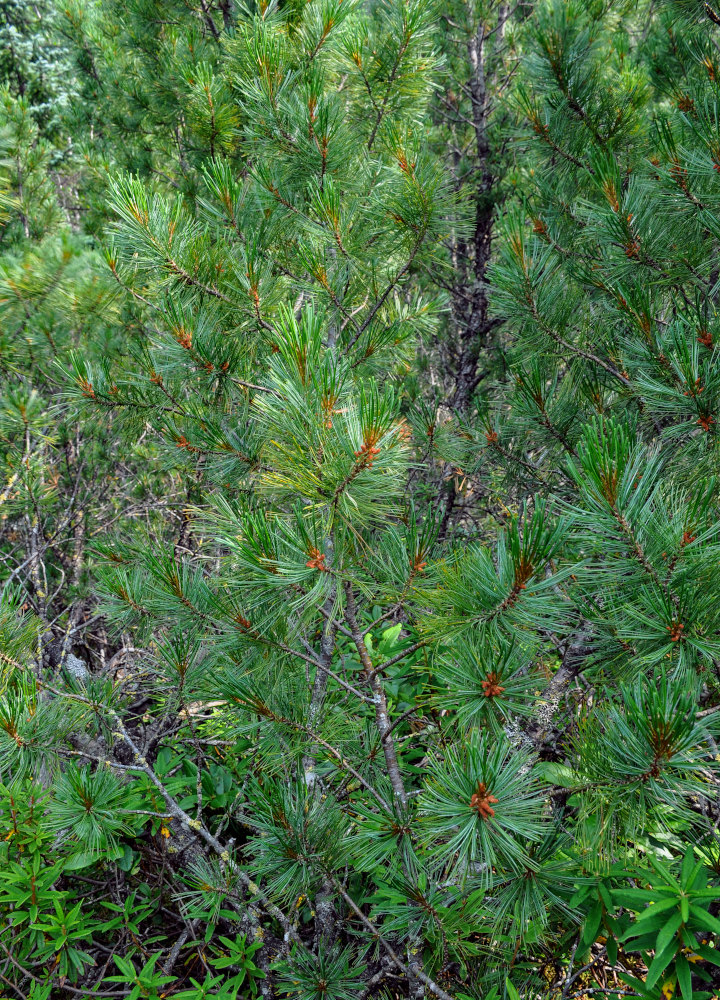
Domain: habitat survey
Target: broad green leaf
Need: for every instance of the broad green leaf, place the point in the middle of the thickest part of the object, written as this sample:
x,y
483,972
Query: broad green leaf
x,y
511,991
612,950
659,963
656,909
682,967
687,866
592,924
705,919
605,896
668,931
708,954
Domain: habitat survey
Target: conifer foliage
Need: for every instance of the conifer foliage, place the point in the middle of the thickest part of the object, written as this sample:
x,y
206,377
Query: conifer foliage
x,y
359,628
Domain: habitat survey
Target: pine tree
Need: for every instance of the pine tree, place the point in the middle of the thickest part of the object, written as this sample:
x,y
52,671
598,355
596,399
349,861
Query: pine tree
x,y
34,62
357,737
51,288
478,42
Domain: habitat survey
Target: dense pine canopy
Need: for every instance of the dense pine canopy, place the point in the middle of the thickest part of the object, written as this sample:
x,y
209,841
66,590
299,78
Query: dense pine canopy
x,y
359,499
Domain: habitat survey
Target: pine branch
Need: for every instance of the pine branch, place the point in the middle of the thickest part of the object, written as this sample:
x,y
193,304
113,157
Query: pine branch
x,y
413,969
382,718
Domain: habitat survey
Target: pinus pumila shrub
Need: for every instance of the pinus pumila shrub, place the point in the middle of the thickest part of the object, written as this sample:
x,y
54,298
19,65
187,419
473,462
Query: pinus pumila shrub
x,y
408,672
